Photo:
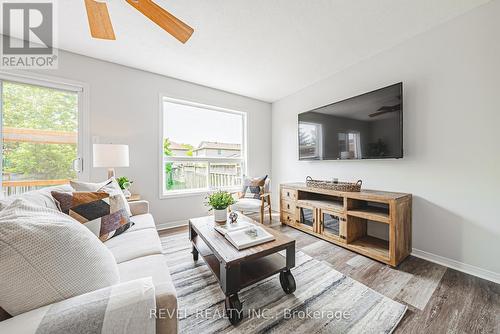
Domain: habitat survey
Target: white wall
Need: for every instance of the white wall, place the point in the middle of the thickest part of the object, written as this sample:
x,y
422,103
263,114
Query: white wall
x,y
124,109
451,81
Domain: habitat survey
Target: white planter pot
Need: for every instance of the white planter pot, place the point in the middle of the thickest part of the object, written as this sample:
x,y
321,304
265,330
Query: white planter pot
x,y
220,215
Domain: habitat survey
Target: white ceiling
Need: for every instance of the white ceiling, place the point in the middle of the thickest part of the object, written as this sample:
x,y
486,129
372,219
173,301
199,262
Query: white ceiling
x,y
265,49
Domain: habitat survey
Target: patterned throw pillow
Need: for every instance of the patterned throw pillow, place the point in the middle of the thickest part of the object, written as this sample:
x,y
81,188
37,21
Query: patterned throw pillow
x,y
110,186
102,213
252,187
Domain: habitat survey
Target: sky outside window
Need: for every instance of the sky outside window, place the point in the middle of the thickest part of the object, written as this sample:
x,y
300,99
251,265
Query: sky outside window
x,y
192,125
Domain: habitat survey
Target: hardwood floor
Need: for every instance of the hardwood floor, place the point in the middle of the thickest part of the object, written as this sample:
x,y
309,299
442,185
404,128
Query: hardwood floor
x,y
439,299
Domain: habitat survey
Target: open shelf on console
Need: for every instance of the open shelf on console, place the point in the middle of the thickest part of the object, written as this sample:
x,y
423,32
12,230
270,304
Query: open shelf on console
x,y
335,203
332,205
368,245
373,213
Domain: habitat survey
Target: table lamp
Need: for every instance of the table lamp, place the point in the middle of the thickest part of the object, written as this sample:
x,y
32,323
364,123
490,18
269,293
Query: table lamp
x,y
111,156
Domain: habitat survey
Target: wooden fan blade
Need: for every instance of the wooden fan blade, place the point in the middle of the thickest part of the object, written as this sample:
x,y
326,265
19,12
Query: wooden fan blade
x,y
390,108
380,113
164,19
99,20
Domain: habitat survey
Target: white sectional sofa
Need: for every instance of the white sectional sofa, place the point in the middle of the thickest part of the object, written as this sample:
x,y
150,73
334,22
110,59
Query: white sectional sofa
x,y
138,254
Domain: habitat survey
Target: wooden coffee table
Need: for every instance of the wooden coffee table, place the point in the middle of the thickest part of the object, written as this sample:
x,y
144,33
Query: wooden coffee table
x,y
236,269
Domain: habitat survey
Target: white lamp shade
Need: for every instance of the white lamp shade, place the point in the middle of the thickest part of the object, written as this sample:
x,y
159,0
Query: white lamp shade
x,y
111,155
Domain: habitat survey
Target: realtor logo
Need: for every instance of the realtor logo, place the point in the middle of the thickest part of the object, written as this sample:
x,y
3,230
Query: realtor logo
x,y
29,33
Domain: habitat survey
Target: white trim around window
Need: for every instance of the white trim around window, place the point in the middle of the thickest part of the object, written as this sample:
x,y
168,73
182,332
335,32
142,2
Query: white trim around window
x,y
83,91
43,80
196,192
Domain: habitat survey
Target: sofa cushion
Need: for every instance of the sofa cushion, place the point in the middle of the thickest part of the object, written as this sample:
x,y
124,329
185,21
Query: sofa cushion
x,y
110,186
142,222
134,244
40,197
247,204
155,266
102,213
46,256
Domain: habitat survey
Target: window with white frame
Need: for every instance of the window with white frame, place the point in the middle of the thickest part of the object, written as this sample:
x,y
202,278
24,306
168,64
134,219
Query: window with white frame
x,y
350,145
203,148
40,134
311,140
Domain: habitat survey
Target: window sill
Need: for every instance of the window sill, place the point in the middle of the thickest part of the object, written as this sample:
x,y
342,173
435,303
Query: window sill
x,y
193,193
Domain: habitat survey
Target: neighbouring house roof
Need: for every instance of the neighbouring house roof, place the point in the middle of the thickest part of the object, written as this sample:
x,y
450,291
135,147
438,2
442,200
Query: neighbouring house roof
x,y
218,146
178,147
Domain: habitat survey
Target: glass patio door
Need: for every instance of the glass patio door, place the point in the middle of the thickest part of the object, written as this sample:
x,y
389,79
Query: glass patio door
x,y
39,137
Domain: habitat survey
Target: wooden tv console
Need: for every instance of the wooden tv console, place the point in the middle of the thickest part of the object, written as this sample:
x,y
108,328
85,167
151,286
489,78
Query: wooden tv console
x,y
342,217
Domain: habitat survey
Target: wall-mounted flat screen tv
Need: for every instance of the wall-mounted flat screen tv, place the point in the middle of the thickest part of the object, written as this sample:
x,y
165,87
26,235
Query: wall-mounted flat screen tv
x,y
368,126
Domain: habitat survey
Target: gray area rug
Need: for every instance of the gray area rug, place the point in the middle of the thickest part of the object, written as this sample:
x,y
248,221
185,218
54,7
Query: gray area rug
x,y
326,301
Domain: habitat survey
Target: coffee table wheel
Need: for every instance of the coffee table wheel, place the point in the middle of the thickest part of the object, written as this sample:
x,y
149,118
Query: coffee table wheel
x,y
195,254
233,309
287,281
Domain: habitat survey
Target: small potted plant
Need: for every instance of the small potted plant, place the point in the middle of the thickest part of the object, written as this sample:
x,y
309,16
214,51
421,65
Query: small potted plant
x,y
219,201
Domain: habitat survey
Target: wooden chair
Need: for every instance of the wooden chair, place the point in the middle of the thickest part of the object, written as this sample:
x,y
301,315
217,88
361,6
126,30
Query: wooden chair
x,y
255,205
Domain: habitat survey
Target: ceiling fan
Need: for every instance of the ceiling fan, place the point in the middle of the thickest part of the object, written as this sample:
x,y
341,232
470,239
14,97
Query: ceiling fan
x,y
101,27
385,110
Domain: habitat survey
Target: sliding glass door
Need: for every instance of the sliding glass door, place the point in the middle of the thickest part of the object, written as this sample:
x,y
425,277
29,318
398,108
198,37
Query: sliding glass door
x,y
39,136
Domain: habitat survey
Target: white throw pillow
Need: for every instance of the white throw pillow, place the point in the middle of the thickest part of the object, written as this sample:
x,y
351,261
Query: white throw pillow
x,y
87,186
47,256
110,186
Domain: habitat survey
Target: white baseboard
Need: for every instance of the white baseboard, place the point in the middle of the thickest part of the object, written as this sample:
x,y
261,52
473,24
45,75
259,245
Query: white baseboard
x,y
169,225
460,266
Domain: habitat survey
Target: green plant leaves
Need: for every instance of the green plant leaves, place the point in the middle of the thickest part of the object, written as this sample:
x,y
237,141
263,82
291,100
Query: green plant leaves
x,y
220,200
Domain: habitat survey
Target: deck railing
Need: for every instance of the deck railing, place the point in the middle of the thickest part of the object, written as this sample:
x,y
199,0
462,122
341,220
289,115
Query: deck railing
x,y
11,188
38,136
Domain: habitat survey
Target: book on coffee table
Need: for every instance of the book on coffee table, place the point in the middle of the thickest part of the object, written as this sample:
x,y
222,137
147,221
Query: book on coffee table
x,y
248,237
231,227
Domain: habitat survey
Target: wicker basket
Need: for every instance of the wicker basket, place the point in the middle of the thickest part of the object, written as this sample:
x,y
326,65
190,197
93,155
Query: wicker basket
x,y
339,186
